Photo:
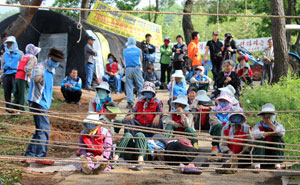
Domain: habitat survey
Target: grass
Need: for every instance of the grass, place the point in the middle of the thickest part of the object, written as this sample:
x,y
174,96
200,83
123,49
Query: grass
x,y
285,95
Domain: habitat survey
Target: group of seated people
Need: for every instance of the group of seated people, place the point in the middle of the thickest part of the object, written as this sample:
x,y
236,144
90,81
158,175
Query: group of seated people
x,y
147,130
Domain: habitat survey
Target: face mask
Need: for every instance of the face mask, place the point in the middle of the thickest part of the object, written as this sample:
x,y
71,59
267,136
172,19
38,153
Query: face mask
x,y
223,104
148,95
102,94
237,119
110,60
11,49
179,45
89,126
52,64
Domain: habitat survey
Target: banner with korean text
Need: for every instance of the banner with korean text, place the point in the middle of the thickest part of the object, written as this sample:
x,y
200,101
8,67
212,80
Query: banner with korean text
x,y
124,24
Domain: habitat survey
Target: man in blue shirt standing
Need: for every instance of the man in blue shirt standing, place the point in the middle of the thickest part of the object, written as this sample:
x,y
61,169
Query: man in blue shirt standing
x,y
71,87
39,97
132,56
11,58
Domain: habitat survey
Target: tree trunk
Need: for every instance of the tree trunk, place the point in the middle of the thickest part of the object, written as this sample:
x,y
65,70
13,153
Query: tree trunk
x,y
279,40
24,19
187,24
84,4
156,9
149,15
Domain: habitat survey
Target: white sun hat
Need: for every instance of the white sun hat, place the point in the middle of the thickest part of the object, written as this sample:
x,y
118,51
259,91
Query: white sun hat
x,y
181,99
104,86
178,73
268,108
202,96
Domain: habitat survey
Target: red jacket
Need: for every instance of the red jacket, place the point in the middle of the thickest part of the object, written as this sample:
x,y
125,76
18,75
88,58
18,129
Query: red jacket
x,y
94,143
21,74
146,119
178,120
235,148
240,72
263,129
113,68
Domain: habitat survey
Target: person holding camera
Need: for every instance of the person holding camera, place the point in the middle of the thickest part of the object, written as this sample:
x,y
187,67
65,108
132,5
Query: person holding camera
x,y
230,48
214,46
148,52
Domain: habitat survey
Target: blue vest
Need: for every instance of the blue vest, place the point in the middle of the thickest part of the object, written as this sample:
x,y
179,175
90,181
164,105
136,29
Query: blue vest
x,y
132,57
179,89
11,62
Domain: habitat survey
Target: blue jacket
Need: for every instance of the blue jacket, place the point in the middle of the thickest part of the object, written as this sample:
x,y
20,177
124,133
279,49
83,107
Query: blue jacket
x,y
76,83
199,79
179,89
11,61
41,93
132,56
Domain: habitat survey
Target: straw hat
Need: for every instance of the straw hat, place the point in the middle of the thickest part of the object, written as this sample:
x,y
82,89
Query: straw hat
x,y
202,96
268,108
178,73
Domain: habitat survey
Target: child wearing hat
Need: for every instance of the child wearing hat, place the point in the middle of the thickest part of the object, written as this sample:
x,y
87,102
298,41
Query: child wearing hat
x,y
23,75
228,77
246,74
199,80
263,132
220,118
182,121
201,105
103,96
236,128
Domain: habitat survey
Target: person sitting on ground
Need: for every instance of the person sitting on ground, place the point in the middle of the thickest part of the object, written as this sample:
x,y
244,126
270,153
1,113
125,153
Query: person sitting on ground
x,y
147,103
151,76
228,77
199,80
23,76
236,128
246,74
242,61
177,86
264,131
201,104
103,96
95,143
192,93
229,89
112,72
71,87
219,119
182,121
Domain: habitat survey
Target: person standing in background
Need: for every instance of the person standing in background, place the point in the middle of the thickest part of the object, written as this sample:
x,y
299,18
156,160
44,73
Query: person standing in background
x,y
214,46
166,56
180,50
148,52
11,59
89,54
194,52
268,59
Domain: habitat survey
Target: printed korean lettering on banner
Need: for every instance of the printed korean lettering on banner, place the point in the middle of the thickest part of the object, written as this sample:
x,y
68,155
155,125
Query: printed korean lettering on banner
x,y
124,24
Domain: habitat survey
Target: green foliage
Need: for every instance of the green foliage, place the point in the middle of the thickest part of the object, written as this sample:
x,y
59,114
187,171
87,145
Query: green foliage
x,y
285,96
123,4
10,176
68,4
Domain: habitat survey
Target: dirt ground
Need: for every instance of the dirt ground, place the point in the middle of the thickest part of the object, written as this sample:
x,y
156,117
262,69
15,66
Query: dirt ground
x,y
123,176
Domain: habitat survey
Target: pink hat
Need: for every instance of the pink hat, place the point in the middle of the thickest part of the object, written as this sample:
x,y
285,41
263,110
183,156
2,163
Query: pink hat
x,y
225,96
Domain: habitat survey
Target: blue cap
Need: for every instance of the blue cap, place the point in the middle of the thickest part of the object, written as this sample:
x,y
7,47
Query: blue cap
x,y
90,38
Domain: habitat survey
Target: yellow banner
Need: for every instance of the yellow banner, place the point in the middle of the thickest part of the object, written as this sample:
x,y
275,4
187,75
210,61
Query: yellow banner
x,y
124,24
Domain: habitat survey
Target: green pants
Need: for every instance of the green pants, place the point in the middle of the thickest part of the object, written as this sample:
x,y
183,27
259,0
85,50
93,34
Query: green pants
x,y
216,131
262,151
187,130
128,141
20,94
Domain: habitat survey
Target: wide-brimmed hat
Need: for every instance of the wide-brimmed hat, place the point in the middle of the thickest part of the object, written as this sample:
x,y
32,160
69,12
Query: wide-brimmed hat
x,y
113,107
32,49
202,96
56,55
237,111
104,86
90,122
268,108
149,87
181,99
229,89
225,96
10,39
178,74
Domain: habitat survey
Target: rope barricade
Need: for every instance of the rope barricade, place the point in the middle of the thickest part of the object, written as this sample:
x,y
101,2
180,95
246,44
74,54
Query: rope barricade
x,y
149,12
